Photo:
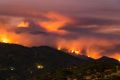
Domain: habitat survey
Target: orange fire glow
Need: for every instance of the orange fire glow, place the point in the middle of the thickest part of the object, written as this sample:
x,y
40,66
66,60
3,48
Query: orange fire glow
x,y
56,21
23,24
4,38
72,47
78,45
74,51
89,52
94,55
53,24
59,48
11,37
115,56
77,51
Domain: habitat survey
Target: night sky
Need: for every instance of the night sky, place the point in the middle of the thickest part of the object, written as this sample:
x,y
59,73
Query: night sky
x,y
93,25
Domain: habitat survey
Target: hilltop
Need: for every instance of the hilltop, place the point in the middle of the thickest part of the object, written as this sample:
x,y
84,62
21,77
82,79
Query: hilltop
x,y
22,63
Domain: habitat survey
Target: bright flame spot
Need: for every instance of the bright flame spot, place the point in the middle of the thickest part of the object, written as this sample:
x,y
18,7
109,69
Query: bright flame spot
x,y
4,39
23,24
72,51
118,59
59,48
77,52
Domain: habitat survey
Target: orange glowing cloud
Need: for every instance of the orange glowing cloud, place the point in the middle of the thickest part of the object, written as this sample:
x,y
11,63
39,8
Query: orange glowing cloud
x,y
54,22
23,24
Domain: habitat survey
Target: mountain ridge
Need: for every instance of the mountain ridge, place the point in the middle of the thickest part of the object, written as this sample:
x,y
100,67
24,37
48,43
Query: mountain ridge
x,y
22,62
17,46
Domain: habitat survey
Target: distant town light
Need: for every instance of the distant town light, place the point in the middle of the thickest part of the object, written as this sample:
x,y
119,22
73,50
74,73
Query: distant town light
x,y
39,66
12,68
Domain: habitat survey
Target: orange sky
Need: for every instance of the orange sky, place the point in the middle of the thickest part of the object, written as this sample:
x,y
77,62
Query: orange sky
x,y
63,32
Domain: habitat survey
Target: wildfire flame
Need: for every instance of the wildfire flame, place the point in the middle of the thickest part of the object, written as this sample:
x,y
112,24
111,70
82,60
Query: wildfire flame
x,y
59,48
54,24
70,50
77,52
115,56
92,54
4,38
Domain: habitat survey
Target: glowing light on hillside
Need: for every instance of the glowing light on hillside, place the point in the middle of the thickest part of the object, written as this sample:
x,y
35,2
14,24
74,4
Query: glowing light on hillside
x,y
39,66
5,39
23,24
12,68
118,59
74,51
93,53
77,52
115,56
59,48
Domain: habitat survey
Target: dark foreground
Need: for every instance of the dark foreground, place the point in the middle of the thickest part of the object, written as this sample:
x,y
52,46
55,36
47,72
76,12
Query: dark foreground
x,y
45,63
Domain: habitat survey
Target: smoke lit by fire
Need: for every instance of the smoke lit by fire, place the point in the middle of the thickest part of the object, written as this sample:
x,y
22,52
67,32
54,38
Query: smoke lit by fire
x,y
55,23
23,24
79,47
115,56
91,54
37,33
